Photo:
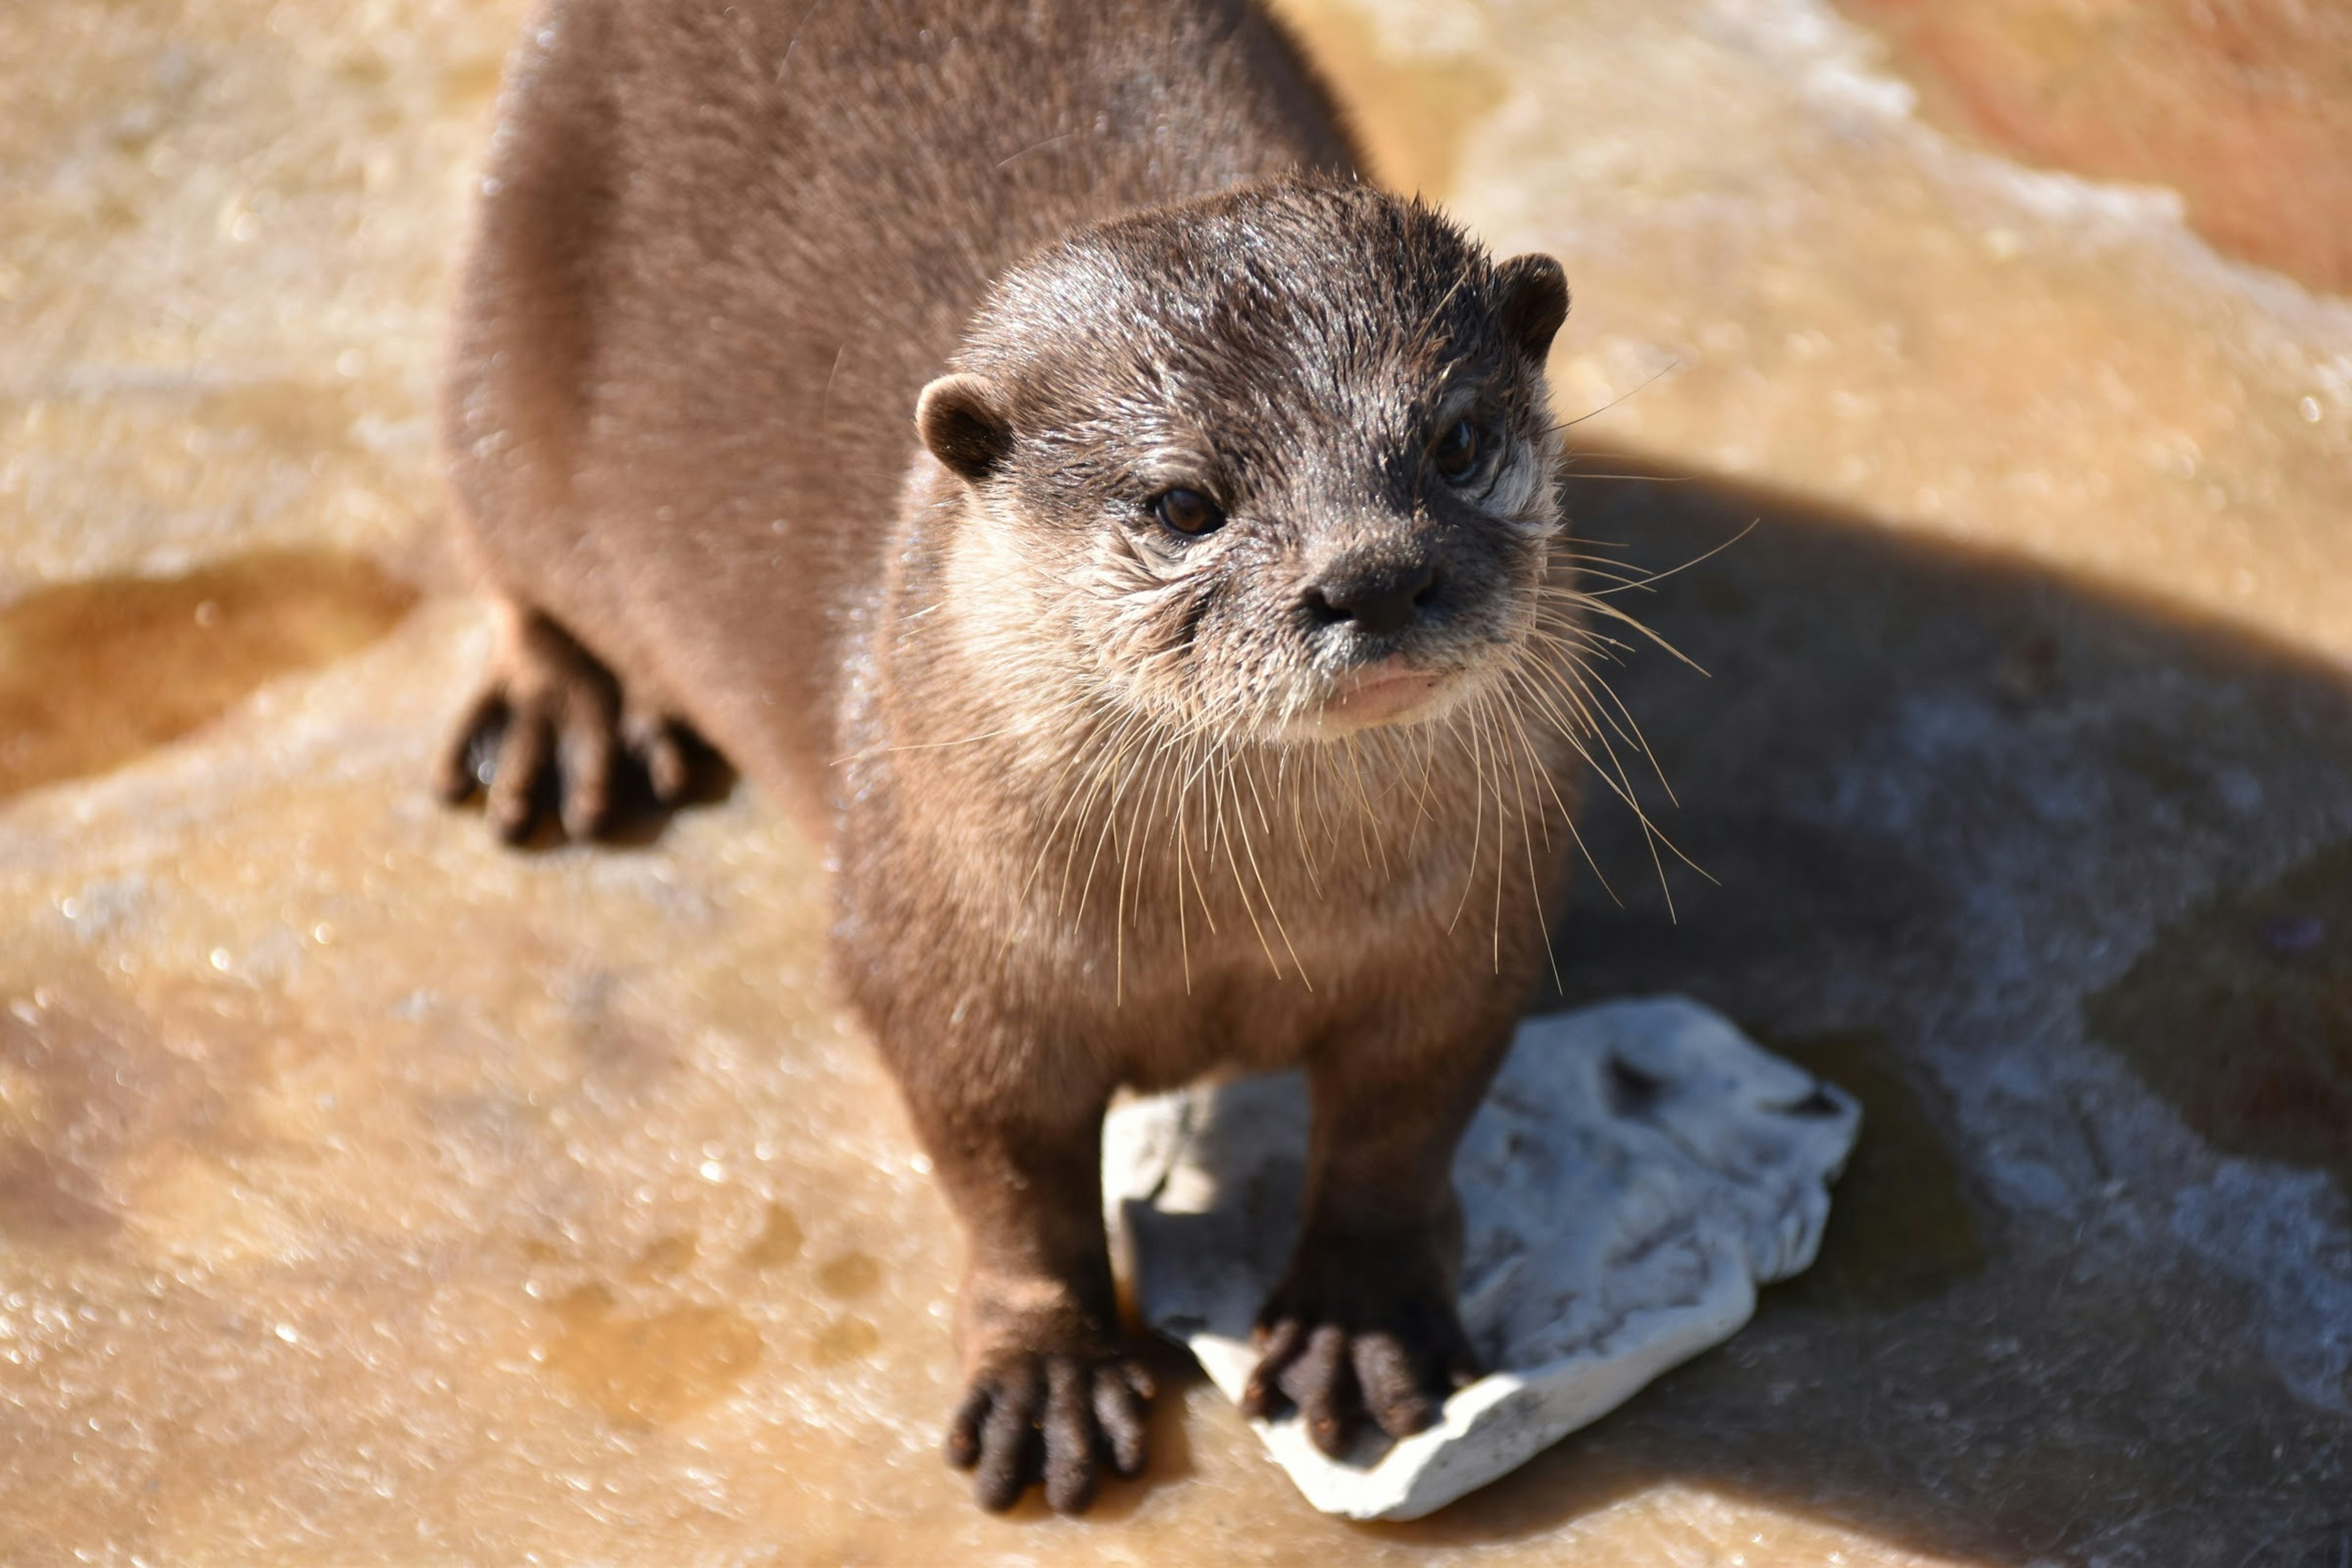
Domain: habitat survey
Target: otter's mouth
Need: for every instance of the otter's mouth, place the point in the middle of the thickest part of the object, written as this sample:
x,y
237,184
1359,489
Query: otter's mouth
x,y
1388,692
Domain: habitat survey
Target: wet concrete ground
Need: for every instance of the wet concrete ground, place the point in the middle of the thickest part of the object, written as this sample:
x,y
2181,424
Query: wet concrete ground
x,y
370,1194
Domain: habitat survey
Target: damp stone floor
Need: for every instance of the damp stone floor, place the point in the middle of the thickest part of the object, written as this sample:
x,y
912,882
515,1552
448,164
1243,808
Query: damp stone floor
x,y
371,1195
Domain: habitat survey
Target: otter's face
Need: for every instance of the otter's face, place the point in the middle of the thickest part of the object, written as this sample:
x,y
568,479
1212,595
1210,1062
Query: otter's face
x,y
1279,465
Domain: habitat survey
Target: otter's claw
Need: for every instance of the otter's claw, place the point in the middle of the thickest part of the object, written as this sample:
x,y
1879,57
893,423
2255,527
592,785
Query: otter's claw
x,y
1386,1358
1052,1418
549,732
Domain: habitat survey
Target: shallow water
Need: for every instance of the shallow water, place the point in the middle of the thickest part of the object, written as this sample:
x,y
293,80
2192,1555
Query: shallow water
x,y
368,1193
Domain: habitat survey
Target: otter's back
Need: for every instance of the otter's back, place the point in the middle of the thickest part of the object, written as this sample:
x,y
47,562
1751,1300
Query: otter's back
x,y
724,245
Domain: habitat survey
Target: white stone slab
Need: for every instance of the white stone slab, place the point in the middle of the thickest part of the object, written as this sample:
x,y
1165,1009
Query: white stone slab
x,y
1637,1170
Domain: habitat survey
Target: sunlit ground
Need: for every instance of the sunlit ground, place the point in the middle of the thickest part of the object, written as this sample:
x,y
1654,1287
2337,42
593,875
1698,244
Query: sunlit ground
x,y
368,1193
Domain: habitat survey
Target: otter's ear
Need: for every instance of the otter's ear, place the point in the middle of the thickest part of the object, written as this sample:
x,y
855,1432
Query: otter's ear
x,y
1532,291
964,424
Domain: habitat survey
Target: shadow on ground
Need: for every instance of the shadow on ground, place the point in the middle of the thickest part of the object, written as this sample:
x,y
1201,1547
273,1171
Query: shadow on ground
x,y
2057,884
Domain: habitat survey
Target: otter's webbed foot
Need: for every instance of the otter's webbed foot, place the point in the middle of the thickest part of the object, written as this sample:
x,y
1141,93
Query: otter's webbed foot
x,y
1359,1334
1055,1417
552,731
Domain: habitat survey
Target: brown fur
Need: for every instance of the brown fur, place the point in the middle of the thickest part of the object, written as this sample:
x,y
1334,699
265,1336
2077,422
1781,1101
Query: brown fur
x,y
1105,803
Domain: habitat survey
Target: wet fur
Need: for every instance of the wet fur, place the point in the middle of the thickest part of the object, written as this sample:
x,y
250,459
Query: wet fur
x,y
1085,828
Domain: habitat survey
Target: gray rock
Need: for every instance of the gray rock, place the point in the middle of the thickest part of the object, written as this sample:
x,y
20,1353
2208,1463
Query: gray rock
x,y
1637,1170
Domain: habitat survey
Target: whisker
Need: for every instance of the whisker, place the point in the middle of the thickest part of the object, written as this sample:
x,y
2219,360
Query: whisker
x,y
1273,914
1526,839
1568,818
1613,776
1225,838
1477,822
1667,369
1487,718
1661,576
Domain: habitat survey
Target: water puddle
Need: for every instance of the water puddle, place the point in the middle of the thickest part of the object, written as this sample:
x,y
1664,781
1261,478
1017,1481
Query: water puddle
x,y
1899,1230
778,1243
650,1370
851,1339
851,1274
95,674
2241,1015
670,1255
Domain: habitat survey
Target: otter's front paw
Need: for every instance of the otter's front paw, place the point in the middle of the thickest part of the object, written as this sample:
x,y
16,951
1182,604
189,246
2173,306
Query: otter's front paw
x,y
552,729
1051,1418
1343,1345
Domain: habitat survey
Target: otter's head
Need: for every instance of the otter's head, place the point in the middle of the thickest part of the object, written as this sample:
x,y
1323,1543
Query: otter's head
x,y
1272,466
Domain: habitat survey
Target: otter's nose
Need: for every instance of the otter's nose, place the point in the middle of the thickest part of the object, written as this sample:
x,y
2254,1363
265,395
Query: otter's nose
x,y
1375,597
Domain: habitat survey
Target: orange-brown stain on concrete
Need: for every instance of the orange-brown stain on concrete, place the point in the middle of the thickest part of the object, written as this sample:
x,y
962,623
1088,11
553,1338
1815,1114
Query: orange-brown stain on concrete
x,y
95,674
2242,106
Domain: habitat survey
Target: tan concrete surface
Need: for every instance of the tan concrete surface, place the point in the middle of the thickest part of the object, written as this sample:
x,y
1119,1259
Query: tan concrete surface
x,y
368,1193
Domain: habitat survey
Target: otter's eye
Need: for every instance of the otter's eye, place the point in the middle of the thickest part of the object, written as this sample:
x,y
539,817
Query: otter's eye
x,y
1188,512
1457,452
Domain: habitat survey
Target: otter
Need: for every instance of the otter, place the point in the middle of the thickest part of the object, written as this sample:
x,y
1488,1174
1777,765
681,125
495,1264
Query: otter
x,y
1013,435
